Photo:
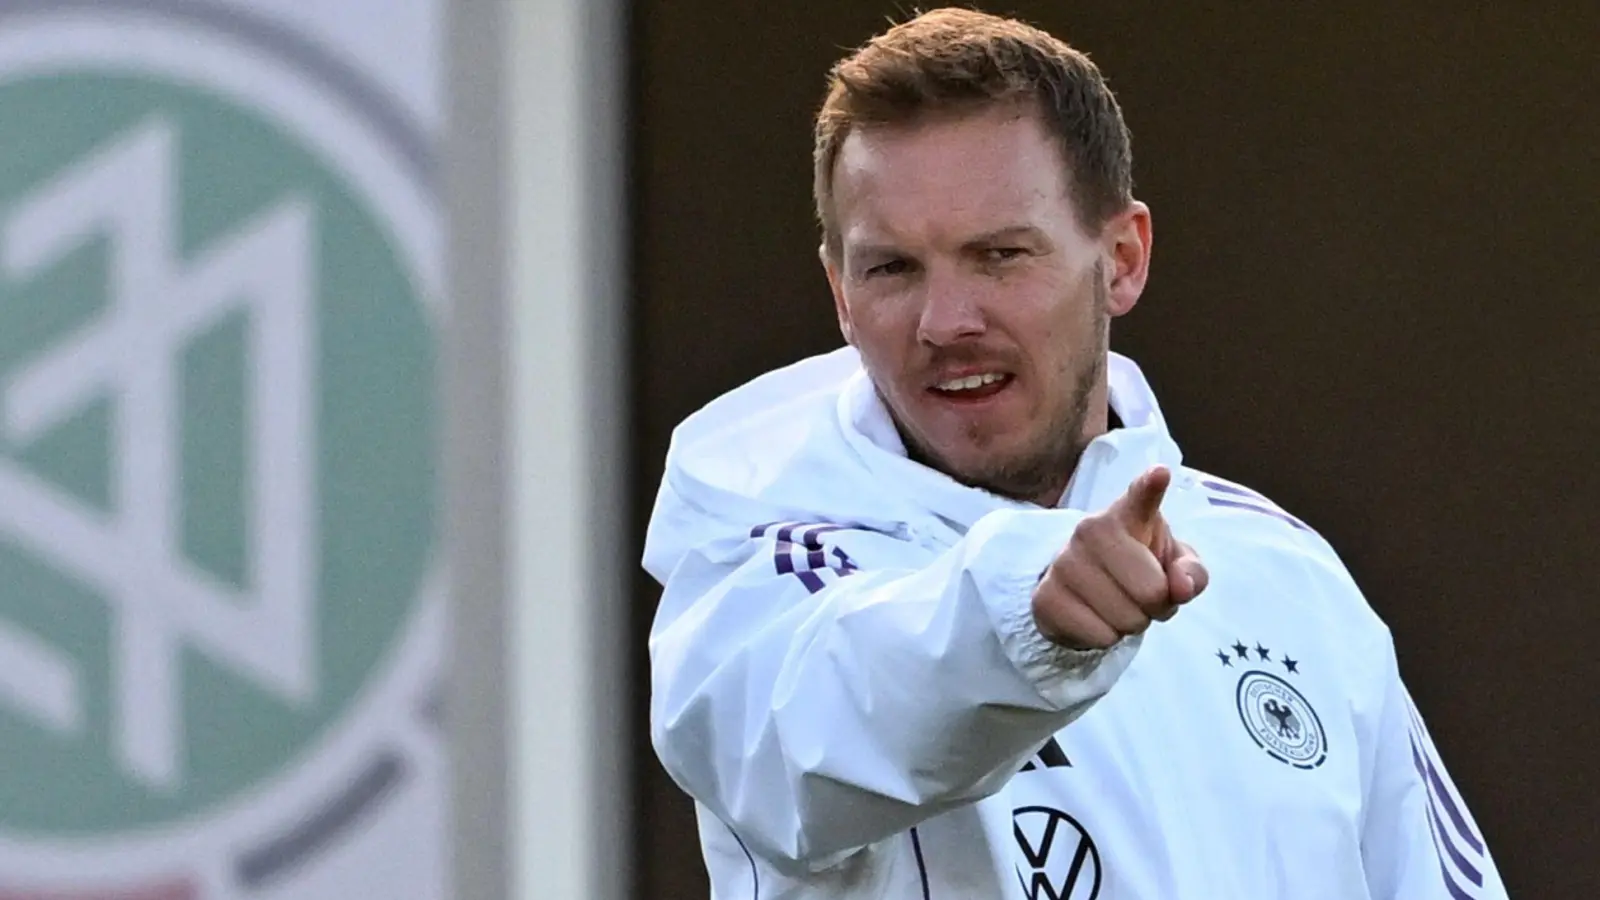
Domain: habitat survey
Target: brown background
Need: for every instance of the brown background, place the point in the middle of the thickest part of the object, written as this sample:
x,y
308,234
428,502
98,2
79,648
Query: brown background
x,y
1373,298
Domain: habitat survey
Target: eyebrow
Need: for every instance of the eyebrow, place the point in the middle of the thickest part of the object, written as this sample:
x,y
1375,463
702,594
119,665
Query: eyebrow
x,y
873,251
1007,233
987,238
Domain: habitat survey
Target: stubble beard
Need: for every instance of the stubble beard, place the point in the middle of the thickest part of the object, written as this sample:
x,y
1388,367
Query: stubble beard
x,y
1042,468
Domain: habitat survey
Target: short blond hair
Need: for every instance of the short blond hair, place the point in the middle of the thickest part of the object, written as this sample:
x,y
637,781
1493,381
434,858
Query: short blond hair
x,y
953,60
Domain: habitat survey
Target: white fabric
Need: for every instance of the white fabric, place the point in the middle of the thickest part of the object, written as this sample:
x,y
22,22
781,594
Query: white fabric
x,y
847,679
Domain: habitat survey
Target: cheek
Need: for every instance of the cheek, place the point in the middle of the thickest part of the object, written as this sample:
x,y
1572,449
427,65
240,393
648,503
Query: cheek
x,y
883,327
876,347
1062,322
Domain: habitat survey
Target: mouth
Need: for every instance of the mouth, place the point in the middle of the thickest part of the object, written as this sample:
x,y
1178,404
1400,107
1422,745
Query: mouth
x,y
972,388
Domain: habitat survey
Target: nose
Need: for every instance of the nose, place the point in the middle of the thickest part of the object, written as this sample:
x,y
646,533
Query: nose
x,y
950,312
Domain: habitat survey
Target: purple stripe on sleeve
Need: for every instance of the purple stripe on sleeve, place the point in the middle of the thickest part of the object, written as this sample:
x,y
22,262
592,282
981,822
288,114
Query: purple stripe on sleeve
x,y
811,537
1276,514
1442,838
1416,760
1266,506
1231,489
1456,890
818,559
798,550
1448,803
784,550
1438,796
1450,807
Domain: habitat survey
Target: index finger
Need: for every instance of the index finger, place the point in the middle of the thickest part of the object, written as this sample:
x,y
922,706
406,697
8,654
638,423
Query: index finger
x,y
1140,507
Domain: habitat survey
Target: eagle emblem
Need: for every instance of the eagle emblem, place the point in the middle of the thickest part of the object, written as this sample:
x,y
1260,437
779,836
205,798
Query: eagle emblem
x,y
1281,720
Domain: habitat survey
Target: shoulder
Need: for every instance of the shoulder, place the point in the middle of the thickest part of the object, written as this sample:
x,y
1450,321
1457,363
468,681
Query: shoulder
x,y
751,437
772,450
774,396
1239,505
1269,550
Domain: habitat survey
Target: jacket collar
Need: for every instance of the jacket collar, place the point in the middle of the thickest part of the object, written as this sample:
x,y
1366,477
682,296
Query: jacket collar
x,y
1109,464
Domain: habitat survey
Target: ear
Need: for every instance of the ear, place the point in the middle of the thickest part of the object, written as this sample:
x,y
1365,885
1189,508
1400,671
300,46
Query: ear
x,y
830,265
1126,243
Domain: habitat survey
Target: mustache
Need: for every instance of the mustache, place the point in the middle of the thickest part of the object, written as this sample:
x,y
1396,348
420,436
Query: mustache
x,y
963,355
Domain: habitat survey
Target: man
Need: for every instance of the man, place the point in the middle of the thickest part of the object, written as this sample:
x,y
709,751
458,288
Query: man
x,y
944,614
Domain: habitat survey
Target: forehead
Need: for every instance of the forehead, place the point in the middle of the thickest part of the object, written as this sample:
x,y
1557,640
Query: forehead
x,y
949,176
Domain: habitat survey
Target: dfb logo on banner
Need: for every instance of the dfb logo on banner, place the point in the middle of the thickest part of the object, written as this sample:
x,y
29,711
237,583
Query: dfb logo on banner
x,y
219,597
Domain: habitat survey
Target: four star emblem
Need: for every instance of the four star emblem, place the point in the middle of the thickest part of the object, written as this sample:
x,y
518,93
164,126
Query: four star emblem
x,y
1262,654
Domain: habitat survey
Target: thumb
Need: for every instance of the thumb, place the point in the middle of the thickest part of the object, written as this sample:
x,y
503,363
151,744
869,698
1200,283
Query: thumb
x,y
1139,508
1187,576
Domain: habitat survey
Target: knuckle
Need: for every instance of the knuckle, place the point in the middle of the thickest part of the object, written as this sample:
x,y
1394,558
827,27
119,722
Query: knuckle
x,y
1071,568
1136,624
1151,594
1095,530
1052,598
1058,574
1101,641
1045,599
1143,585
1065,559
1093,633
1126,619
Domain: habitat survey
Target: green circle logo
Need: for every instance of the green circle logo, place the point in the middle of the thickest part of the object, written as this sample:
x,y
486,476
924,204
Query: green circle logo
x,y
217,451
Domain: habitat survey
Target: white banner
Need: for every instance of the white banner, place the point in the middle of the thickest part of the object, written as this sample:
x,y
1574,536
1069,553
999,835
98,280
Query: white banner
x,y
221,618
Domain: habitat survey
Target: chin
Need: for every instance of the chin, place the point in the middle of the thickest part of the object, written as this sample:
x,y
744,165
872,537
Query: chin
x,y
977,469
972,459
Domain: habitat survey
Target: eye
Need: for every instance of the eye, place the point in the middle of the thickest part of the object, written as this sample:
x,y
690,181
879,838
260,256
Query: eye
x,y
891,268
1003,254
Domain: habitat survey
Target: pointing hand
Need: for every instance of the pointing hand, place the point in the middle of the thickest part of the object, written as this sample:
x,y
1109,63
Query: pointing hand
x,y
1121,570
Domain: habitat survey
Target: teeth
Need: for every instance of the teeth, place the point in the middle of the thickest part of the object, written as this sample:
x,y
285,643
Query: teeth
x,y
970,382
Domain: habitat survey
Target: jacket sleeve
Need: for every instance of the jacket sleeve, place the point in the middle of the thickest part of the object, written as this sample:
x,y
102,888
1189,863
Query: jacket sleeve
x,y
1418,841
820,688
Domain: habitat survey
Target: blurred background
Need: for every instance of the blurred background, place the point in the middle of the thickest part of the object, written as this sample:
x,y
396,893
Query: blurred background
x,y
340,345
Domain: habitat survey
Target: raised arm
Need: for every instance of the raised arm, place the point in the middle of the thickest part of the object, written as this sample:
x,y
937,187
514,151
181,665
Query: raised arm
x,y
821,688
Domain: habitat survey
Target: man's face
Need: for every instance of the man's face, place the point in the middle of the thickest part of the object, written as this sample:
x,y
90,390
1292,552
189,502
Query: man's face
x,y
979,304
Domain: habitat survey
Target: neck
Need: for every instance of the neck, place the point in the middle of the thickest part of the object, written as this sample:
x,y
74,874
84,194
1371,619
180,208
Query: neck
x,y
1100,420
1051,498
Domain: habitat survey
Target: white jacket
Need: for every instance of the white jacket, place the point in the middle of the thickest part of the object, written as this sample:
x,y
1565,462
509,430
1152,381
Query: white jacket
x,y
847,680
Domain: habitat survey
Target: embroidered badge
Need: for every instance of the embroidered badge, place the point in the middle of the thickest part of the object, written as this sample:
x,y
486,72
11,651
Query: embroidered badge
x,y
1275,714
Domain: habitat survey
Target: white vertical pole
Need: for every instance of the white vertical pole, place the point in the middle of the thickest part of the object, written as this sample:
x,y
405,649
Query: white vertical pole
x,y
538,363
568,593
